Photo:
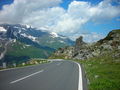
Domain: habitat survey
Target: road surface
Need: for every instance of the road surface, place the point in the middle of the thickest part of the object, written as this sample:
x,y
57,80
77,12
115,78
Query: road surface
x,y
58,75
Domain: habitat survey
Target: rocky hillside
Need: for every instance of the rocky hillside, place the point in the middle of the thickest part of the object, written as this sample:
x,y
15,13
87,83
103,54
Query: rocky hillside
x,y
21,42
110,44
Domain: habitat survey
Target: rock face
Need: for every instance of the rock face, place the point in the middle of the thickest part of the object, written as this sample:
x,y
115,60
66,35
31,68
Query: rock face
x,y
79,43
82,50
112,41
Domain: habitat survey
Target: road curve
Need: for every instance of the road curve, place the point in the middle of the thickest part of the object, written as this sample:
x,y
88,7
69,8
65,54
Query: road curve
x,y
58,75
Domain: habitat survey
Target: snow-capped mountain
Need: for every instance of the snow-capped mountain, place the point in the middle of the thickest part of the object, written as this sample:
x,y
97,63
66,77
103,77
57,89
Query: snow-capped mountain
x,y
25,35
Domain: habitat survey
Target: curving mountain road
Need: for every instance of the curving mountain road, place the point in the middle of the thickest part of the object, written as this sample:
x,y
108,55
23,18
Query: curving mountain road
x,y
58,75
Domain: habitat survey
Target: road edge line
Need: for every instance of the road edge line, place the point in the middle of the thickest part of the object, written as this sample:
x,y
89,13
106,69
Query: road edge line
x,y
80,82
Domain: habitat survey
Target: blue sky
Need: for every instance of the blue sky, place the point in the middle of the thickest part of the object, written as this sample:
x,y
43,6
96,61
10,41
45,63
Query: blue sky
x,y
92,19
105,27
67,2
4,2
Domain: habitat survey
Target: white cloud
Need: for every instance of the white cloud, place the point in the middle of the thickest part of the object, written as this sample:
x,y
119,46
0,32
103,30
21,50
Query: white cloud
x,y
105,11
44,18
19,10
89,36
48,14
80,12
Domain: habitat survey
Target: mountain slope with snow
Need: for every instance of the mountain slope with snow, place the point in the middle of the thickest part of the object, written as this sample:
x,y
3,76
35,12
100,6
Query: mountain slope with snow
x,y
40,41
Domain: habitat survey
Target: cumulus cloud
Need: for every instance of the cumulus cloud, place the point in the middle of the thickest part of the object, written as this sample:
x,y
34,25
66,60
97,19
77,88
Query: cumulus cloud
x,y
88,36
92,37
19,10
80,12
44,18
48,14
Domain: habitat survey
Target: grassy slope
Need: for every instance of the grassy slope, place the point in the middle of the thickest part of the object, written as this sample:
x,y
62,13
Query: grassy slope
x,y
20,49
103,73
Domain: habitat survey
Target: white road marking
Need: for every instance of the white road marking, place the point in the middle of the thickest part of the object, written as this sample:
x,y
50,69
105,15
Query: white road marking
x,y
80,82
26,77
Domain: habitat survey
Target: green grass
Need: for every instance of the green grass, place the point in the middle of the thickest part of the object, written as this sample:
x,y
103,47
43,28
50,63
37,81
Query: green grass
x,y
117,31
19,52
103,73
20,49
32,52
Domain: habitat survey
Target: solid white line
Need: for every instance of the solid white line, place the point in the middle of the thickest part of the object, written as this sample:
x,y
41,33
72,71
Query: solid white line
x,y
80,82
26,77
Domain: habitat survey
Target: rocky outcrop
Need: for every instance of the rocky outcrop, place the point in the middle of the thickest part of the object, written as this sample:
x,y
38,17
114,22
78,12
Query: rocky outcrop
x,y
64,53
82,50
112,41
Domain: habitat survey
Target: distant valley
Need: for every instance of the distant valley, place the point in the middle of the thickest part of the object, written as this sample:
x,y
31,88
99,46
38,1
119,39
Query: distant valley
x,y
19,43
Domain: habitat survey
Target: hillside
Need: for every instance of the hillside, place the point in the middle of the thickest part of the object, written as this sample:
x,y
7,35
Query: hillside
x,y
21,42
82,50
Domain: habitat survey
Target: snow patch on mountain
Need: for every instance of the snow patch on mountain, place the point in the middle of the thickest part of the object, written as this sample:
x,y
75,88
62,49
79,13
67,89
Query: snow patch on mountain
x,y
61,41
14,40
16,27
29,36
27,26
54,35
23,29
2,29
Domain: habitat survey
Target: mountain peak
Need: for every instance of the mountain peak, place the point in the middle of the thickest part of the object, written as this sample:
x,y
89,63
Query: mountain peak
x,y
28,26
79,41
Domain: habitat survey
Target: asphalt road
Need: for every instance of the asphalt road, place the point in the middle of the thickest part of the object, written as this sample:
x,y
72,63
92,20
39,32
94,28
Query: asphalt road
x,y
58,75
